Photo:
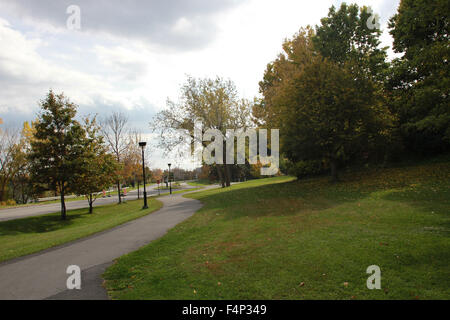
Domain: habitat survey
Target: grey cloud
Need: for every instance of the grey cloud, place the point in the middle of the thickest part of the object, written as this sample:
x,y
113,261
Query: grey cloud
x,y
152,20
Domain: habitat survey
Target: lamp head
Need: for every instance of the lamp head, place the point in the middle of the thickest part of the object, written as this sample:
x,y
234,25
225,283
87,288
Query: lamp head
x,y
142,144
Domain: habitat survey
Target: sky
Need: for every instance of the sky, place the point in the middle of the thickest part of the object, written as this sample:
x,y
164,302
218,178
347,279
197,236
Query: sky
x,y
132,58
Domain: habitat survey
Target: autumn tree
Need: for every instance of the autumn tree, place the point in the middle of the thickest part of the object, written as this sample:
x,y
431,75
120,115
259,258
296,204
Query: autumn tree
x,y
114,128
9,148
57,146
99,169
212,101
323,110
132,160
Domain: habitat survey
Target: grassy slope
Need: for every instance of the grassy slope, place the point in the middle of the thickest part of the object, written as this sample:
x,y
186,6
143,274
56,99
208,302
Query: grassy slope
x,y
199,183
261,240
30,235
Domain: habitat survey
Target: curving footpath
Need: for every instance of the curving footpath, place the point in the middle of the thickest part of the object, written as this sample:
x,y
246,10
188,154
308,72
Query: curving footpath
x,y
43,275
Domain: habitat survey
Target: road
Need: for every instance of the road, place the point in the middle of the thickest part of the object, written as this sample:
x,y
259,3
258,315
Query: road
x,y
43,275
40,209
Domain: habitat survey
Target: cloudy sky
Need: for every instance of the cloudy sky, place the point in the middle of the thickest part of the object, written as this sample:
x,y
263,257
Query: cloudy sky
x,y
132,55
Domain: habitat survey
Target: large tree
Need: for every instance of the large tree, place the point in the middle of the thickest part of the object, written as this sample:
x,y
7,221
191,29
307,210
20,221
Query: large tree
x,y
115,130
57,146
325,110
9,150
420,80
99,169
212,101
345,38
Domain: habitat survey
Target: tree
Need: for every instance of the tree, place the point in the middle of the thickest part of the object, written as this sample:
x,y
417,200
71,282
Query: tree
x,y
212,101
57,146
21,185
344,38
99,169
114,129
324,109
9,148
419,80
333,119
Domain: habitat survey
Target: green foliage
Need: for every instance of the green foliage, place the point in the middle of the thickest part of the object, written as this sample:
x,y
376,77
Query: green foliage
x,y
324,109
303,169
419,81
98,168
344,38
57,146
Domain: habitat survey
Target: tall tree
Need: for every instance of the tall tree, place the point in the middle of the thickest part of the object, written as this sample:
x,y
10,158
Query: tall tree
x,y
212,101
115,130
344,38
420,80
9,148
57,145
99,168
324,109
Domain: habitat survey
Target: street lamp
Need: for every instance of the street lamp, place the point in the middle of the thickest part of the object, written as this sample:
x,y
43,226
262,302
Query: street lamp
x,y
142,145
170,181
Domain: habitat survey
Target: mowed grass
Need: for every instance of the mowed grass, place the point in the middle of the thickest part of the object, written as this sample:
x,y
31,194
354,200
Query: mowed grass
x,y
200,183
284,239
33,234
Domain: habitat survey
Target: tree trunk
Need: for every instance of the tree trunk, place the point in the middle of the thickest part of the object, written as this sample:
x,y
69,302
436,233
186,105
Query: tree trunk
x,y
91,204
139,195
3,191
225,166
220,173
118,192
334,173
63,203
228,175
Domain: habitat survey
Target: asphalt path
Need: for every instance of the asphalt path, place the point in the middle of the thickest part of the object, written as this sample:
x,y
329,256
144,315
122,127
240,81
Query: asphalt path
x,y
40,209
43,275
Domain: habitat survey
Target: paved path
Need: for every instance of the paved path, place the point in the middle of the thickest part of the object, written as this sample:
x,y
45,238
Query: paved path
x,y
43,275
40,209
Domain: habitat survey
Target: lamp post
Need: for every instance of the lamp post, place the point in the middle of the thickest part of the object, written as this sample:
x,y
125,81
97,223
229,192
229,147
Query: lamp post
x,y
142,145
170,181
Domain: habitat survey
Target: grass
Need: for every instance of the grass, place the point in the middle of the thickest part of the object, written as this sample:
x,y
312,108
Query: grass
x,y
29,235
200,183
285,239
181,191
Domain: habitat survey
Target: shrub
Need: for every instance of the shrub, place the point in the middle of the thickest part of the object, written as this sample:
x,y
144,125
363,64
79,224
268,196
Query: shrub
x,y
302,169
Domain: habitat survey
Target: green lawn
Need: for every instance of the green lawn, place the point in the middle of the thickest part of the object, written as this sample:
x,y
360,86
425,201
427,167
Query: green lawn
x,y
200,183
30,235
283,239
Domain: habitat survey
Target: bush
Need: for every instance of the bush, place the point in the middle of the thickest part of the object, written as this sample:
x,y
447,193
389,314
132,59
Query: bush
x,y
9,202
304,169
